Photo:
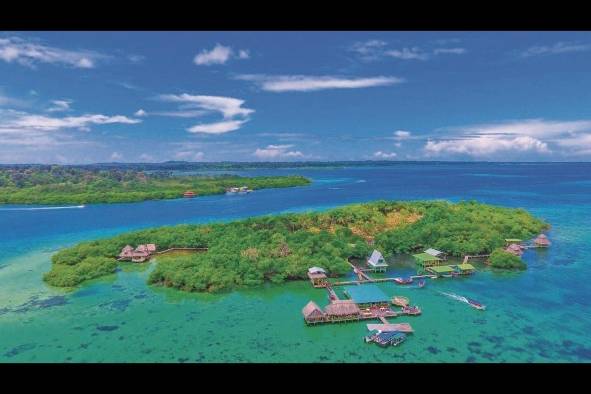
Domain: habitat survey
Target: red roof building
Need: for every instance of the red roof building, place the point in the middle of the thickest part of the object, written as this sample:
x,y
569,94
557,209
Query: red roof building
x,y
542,241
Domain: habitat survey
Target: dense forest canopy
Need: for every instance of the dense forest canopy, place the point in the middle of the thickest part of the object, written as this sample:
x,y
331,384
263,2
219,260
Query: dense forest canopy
x,y
71,185
283,247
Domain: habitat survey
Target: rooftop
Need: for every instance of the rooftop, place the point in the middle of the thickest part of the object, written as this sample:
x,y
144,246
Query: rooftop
x,y
466,267
366,294
377,260
426,257
444,269
433,252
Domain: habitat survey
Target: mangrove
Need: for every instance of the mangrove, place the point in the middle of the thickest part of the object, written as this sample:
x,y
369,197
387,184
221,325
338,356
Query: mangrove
x,y
71,185
282,247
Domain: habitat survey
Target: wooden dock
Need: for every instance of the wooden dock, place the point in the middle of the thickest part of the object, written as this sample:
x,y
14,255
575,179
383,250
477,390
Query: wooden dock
x,y
332,295
475,256
360,282
183,249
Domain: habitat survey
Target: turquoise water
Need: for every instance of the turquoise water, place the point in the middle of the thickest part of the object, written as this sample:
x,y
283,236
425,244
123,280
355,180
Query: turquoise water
x,y
541,315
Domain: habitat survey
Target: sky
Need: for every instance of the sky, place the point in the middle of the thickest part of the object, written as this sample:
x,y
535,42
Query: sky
x,y
87,97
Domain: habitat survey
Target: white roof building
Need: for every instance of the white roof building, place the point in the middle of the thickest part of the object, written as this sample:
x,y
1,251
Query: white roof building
x,y
376,260
434,252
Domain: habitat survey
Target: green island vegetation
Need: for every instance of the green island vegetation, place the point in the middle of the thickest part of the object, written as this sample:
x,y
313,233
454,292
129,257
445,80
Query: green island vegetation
x,y
72,185
501,259
282,247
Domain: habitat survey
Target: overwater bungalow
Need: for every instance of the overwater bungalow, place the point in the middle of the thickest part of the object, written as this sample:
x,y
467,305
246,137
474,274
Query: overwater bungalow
x,y
366,295
436,253
542,241
312,313
514,249
426,260
389,338
465,269
317,276
376,262
342,310
441,270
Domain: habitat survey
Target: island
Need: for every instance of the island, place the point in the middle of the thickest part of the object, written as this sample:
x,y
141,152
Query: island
x,y
78,185
276,248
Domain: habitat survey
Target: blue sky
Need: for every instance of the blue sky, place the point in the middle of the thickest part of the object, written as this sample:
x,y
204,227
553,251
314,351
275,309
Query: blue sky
x,y
83,97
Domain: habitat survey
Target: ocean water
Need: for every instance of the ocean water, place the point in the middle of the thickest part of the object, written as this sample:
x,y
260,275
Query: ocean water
x,y
541,315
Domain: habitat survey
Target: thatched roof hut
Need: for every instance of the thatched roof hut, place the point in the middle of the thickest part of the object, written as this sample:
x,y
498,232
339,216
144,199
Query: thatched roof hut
x,y
515,249
342,308
312,312
127,251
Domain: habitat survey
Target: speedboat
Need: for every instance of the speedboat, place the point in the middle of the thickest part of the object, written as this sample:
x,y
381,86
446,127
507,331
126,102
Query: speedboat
x,y
475,304
403,281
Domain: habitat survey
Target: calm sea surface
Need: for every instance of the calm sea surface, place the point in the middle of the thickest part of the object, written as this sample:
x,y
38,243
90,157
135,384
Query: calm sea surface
x,y
541,315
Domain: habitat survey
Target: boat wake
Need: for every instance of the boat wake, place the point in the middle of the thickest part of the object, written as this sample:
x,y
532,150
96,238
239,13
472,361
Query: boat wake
x,y
472,303
43,208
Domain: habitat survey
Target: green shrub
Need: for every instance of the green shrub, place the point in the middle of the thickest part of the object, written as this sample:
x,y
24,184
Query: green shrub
x,y
501,259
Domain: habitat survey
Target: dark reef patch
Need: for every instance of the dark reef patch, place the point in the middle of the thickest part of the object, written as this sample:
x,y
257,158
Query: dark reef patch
x,y
433,350
36,303
107,328
19,349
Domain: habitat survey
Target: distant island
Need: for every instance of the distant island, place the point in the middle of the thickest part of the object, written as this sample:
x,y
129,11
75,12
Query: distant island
x,y
282,247
77,185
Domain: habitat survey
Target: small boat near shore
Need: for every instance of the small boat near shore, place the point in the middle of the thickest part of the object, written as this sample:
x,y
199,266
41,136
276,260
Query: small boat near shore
x,y
238,190
473,303
411,310
476,304
403,281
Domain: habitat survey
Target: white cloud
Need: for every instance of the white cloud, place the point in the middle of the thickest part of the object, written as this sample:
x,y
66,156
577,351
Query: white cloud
x,y
402,134
180,114
528,135
243,54
146,157
277,152
22,128
414,53
6,101
140,112
369,50
217,127
377,49
46,123
486,145
557,48
532,127
116,156
220,54
303,83
28,53
189,155
60,106
229,107
233,113
450,51
384,155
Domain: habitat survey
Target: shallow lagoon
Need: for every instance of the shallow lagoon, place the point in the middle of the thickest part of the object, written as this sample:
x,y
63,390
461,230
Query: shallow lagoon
x,y
541,315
